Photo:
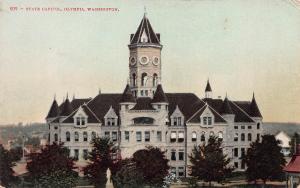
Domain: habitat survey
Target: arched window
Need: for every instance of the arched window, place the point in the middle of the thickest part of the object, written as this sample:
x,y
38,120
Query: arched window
x,y
236,137
220,136
133,79
76,137
144,79
55,137
68,136
249,137
85,136
154,79
203,136
93,135
242,137
194,136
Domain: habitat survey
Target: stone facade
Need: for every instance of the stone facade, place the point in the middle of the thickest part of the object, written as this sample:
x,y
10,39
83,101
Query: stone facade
x,y
144,115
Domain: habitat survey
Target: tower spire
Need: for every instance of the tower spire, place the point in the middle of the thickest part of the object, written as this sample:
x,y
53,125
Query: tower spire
x,y
145,11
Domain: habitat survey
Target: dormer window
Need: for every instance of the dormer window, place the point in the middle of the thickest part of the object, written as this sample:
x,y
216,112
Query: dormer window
x,y
177,117
80,121
111,118
80,118
207,120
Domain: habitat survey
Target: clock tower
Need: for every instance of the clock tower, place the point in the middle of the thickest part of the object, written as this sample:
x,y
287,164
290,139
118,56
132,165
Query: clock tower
x,y
144,60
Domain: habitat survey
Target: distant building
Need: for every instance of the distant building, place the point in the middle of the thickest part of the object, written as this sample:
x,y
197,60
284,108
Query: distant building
x,y
284,140
145,115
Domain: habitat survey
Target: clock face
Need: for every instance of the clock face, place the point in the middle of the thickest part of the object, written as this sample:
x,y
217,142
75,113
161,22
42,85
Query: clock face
x,y
132,60
144,60
155,61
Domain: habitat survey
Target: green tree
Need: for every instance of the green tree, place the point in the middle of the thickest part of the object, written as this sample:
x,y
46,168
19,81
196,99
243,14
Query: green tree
x,y
52,167
6,164
153,164
294,142
16,153
128,176
264,160
209,163
100,159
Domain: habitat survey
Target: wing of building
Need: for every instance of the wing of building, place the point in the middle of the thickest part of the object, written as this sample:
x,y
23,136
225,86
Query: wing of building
x,y
143,114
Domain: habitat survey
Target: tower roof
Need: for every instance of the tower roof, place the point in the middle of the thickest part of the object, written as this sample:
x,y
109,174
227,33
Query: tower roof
x,y
54,110
254,111
208,88
145,29
226,108
67,108
127,95
159,95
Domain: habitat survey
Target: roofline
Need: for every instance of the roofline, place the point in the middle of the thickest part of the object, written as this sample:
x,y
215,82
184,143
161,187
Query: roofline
x,y
243,111
136,45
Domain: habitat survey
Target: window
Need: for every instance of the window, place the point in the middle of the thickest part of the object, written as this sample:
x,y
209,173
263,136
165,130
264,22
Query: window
x,y
107,134
126,106
258,126
236,137
85,154
55,137
180,171
249,127
242,127
80,120
249,137
173,155
143,120
154,79
258,137
180,136
93,135
147,136
243,164
114,136
142,92
68,136
242,137
194,136
144,79
175,121
85,136
242,152
173,170
138,136
180,155
236,164
203,137
76,136
127,135
133,79
236,152
55,127
158,136
179,120
146,93
220,136
76,154
111,121
236,127
207,120
173,136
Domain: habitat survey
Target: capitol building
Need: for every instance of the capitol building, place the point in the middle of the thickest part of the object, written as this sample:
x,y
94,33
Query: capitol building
x,y
145,115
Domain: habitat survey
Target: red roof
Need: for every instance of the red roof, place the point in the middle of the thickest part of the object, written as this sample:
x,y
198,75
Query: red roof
x,y
294,164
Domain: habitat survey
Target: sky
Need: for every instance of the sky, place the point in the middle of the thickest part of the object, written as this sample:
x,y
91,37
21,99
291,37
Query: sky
x,y
241,46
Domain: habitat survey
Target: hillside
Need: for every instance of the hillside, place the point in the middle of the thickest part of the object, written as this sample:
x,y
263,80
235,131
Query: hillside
x,y
275,127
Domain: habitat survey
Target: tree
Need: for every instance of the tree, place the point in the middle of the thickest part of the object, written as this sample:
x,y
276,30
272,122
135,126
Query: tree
x,y
294,142
153,164
128,176
52,167
16,153
6,164
209,163
100,159
264,160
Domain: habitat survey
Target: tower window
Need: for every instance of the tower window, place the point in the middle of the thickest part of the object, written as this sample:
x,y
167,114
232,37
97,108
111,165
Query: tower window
x,y
133,79
154,79
203,137
68,136
144,79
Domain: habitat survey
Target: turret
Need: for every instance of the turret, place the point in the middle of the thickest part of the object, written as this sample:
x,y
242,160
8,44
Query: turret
x,y
53,112
67,108
160,100
208,91
127,100
226,111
